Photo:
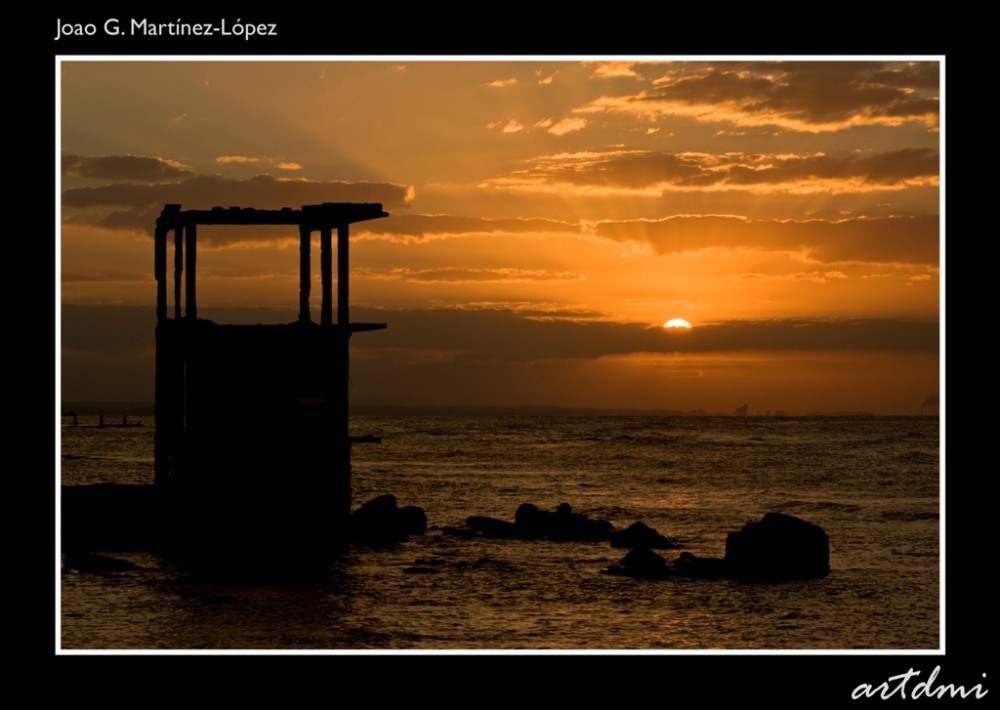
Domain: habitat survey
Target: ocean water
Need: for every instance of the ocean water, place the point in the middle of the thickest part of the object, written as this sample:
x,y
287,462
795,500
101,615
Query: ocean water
x,y
871,482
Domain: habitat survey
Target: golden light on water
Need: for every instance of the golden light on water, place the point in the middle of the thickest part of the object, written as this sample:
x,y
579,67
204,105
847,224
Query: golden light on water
x,y
677,323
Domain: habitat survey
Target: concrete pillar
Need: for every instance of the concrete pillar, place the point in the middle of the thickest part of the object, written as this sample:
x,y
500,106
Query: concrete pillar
x,y
161,438
160,269
191,311
344,325
343,315
178,268
326,267
305,275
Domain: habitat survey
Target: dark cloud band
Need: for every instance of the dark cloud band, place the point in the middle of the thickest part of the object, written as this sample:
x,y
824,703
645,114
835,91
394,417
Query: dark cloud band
x,y
122,167
143,203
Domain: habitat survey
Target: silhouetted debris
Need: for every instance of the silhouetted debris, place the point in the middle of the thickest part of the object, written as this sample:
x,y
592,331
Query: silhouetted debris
x,y
641,535
85,562
778,547
381,522
640,562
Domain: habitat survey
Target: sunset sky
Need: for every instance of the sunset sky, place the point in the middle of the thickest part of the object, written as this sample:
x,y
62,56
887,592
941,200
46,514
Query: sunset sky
x,y
547,218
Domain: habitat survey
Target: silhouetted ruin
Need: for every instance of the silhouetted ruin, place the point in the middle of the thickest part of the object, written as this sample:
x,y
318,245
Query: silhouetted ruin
x,y
252,444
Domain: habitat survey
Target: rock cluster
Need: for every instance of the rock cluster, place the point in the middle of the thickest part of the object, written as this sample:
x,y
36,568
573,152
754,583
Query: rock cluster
x,y
381,521
530,523
777,548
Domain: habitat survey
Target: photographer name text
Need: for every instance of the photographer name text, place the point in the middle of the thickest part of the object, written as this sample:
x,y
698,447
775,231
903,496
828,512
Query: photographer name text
x,y
113,27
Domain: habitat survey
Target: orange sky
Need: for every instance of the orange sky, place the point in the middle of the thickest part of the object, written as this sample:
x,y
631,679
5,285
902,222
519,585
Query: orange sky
x,y
788,210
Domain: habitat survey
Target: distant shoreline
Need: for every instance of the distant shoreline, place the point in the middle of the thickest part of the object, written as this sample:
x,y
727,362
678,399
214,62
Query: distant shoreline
x,y
111,408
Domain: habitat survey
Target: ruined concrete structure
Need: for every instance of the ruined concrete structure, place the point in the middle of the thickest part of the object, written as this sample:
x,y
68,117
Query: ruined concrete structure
x,y
252,443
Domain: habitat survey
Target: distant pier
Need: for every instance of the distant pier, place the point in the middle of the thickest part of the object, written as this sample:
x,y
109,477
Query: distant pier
x,y
101,424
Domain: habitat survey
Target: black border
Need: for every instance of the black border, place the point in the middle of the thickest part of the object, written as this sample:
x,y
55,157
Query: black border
x,y
793,676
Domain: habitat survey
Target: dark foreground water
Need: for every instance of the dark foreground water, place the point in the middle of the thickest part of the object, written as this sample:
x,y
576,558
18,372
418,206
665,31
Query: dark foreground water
x,y
871,482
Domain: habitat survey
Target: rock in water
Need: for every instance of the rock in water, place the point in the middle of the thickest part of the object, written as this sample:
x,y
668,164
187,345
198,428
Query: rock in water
x,y
779,547
640,562
640,535
380,521
384,505
413,519
533,524
86,562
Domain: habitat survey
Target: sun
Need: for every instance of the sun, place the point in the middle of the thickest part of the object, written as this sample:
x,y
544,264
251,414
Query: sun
x,y
677,323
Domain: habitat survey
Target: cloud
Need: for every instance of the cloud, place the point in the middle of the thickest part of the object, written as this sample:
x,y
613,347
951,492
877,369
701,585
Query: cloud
x,y
143,203
510,335
501,83
460,276
615,69
420,227
799,276
799,96
568,125
245,159
109,277
236,159
912,240
122,167
544,123
512,127
651,173
108,352
818,277
547,79
919,75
